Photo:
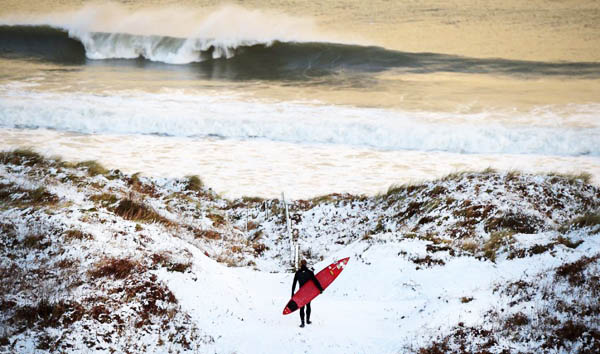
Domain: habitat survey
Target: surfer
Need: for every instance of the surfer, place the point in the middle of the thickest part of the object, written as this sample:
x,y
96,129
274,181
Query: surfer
x,y
303,275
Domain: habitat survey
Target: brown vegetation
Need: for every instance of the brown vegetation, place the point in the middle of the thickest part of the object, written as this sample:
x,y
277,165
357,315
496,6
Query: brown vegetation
x,y
517,222
74,234
26,157
574,271
115,268
194,183
93,167
131,210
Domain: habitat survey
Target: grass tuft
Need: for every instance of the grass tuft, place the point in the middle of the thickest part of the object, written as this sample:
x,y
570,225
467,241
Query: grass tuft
x,y
36,241
587,220
93,167
21,156
194,183
130,210
496,240
583,177
165,260
73,234
105,199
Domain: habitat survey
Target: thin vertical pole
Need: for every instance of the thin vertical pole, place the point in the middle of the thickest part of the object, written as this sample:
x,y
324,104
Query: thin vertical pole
x,y
289,230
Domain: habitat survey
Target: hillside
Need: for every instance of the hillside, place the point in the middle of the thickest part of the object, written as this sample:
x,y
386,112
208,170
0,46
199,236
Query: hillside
x,y
96,260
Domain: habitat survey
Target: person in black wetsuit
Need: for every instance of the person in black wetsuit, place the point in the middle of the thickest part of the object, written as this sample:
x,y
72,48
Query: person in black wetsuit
x,y
303,275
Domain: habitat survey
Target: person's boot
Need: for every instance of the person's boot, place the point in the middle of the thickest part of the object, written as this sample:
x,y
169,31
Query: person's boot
x,y
308,322
302,324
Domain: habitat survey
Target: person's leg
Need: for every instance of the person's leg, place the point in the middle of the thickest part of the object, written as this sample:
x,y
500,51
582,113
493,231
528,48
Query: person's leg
x,y
302,316
308,313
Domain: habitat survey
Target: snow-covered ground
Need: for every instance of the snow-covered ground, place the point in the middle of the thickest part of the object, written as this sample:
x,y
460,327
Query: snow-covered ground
x,y
97,261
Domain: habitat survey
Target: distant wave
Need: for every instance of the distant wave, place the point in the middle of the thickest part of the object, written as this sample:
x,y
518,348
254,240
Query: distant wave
x,y
256,58
175,114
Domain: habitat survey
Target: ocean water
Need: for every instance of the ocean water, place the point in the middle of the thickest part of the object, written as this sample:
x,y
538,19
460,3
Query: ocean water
x,y
306,99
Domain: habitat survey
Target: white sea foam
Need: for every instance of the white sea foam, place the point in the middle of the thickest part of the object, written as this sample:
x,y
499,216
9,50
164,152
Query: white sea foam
x,y
195,115
175,35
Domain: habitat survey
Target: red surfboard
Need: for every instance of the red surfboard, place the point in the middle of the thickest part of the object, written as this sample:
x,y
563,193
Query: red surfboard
x,y
309,290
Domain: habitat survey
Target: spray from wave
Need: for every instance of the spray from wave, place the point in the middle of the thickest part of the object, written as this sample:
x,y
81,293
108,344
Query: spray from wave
x,y
265,44
173,35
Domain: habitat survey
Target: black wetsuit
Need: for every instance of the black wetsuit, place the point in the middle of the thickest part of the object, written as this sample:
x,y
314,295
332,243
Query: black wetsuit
x,y
302,276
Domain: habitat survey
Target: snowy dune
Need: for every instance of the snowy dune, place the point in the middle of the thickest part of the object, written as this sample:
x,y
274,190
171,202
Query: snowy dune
x,y
99,261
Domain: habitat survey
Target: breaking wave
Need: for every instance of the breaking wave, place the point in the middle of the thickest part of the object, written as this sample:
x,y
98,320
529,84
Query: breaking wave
x,y
177,114
254,57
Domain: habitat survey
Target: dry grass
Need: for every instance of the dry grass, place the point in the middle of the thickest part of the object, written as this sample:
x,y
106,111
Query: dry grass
x,y
516,222
568,243
36,241
466,299
131,210
105,199
93,167
218,220
194,183
428,261
493,244
259,248
22,156
115,268
469,246
48,314
587,220
208,234
37,197
73,234
571,178
574,272
165,260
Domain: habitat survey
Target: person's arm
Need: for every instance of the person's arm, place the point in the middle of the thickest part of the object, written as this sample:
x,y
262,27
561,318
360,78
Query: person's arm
x,y
314,278
294,284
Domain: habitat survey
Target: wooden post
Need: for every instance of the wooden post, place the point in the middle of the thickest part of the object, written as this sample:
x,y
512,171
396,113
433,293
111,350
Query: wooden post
x,y
289,231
